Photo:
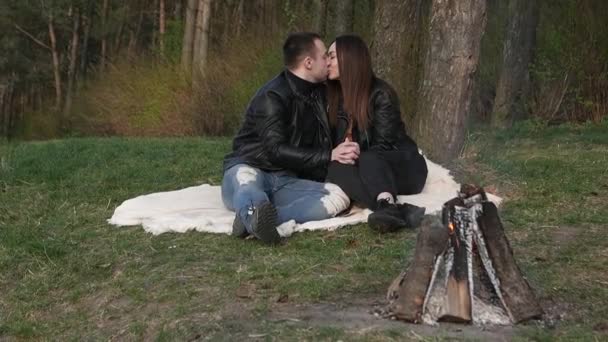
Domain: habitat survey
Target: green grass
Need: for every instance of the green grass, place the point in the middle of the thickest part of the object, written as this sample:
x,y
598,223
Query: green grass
x,y
66,274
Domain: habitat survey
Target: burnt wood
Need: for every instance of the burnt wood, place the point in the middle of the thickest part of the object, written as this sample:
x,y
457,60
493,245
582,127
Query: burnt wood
x,y
458,299
517,293
432,240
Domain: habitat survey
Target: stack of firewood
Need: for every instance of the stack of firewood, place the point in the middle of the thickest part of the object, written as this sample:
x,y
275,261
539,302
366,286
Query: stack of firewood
x,y
463,269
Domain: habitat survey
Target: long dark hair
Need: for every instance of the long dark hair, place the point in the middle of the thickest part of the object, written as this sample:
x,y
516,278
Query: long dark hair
x,y
354,86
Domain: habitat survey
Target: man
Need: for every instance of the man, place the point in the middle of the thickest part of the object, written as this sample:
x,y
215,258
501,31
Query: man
x,y
281,153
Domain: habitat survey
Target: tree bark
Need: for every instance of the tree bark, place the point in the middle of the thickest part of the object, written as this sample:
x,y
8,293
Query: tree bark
x,y
344,17
188,41
73,61
455,32
516,292
161,28
412,288
201,38
396,47
513,86
56,67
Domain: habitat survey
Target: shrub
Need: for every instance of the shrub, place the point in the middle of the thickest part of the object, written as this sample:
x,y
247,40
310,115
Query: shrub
x,y
151,98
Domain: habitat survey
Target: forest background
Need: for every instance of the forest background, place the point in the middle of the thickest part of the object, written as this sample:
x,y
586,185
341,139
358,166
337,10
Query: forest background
x,y
189,67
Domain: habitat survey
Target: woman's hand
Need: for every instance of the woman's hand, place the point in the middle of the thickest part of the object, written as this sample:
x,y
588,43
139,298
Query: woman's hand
x,y
346,153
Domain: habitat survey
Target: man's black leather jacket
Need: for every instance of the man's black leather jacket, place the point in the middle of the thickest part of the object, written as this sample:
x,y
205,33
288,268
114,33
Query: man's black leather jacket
x,y
386,130
285,128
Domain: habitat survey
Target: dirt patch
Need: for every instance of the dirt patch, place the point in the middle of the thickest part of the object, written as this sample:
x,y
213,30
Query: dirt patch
x,y
359,318
564,235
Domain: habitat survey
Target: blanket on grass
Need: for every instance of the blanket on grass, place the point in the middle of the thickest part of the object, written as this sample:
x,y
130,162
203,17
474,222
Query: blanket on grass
x,y
200,208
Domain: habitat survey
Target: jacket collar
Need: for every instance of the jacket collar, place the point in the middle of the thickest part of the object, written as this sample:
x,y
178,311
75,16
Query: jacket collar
x,y
299,85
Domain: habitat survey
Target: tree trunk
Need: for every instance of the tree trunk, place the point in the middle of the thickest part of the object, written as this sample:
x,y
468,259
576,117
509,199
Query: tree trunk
x,y
134,35
452,56
201,38
319,16
3,101
188,41
155,26
84,46
239,19
73,62
396,47
9,108
177,10
344,17
118,40
56,67
518,52
161,28
104,38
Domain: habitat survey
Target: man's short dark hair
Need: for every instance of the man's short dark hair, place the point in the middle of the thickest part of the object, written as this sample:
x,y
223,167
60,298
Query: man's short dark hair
x,y
297,45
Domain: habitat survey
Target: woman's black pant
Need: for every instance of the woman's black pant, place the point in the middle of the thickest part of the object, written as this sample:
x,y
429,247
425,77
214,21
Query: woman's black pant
x,y
395,172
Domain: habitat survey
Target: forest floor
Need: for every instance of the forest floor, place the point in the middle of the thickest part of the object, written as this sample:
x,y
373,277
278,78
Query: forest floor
x,y
65,274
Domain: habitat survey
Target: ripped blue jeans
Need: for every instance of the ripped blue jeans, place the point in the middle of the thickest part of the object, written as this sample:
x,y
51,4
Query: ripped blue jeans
x,y
296,199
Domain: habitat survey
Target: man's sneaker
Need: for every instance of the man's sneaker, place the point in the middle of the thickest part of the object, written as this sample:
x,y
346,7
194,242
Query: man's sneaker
x,y
262,221
238,228
387,218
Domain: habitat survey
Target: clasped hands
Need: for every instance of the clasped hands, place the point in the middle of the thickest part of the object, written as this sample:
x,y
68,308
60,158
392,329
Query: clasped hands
x,y
346,153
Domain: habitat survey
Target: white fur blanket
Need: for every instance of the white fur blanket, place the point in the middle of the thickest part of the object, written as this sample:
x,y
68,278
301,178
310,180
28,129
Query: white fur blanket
x,y
201,208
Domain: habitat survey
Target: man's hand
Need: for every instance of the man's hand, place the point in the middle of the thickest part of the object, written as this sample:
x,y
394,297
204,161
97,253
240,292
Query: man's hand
x,y
346,153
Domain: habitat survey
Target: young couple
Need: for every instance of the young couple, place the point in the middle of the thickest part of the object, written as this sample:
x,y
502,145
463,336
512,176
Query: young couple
x,y
323,132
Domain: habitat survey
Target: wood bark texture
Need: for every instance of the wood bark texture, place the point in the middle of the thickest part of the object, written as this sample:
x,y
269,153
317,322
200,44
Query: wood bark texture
x,y
455,31
517,293
432,241
513,86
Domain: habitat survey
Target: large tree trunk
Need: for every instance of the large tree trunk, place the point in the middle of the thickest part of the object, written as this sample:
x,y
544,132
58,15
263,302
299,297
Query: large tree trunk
x,y
344,17
518,52
319,11
452,56
187,43
56,66
201,38
73,62
396,47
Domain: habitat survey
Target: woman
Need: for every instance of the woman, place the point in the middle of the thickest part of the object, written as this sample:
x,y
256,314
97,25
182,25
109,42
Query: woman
x,y
364,109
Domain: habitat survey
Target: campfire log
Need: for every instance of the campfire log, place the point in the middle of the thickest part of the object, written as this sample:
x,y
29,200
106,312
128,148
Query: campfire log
x,y
463,270
516,292
432,241
458,299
